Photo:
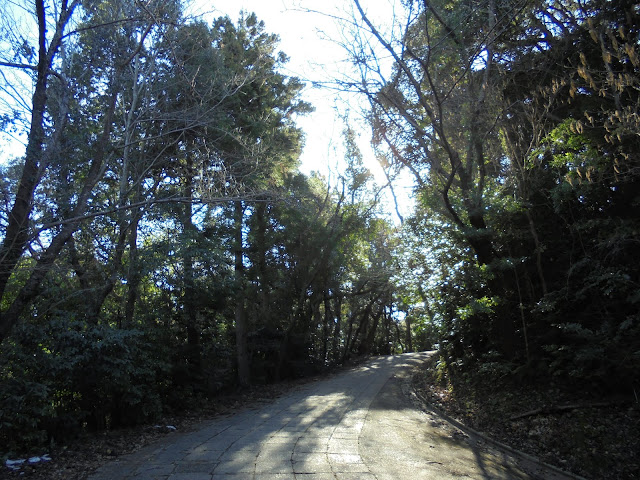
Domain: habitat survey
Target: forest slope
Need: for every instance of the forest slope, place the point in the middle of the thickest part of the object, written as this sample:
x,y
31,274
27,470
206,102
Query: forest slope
x,y
593,435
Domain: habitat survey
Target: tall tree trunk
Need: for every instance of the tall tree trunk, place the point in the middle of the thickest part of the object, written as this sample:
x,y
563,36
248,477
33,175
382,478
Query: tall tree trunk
x,y
242,350
17,232
536,240
364,323
335,344
128,171
261,302
133,276
325,328
348,339
370,340
408,334
387,332
194,357
109,283
316,319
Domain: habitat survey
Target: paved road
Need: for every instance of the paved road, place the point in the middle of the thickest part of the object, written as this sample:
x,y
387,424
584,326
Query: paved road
x,y
357,425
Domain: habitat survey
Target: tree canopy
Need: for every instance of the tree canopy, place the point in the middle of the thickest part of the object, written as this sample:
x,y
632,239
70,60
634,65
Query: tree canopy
x,y
518,122
158,242
159,245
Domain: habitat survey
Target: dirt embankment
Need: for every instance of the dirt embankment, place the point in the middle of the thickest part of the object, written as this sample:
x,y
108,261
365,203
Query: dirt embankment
x,y
589,435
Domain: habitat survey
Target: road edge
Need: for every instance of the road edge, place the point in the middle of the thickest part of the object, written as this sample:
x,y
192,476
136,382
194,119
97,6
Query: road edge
x,y
426,405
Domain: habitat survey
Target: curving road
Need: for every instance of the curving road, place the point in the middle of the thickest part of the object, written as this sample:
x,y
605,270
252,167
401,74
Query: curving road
x,y
357,425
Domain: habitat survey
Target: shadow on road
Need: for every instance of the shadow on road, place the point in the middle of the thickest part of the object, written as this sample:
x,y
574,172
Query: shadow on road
x,y
355,424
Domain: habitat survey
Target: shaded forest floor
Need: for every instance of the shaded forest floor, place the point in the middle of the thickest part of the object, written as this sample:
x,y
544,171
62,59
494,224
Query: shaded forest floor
x,y
579,432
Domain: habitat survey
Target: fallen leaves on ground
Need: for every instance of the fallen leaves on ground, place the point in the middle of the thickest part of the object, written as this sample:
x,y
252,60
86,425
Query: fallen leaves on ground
x,y
598,442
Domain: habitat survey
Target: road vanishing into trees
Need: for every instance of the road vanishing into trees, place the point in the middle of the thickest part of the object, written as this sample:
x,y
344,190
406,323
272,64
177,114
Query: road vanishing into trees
x,y
359,424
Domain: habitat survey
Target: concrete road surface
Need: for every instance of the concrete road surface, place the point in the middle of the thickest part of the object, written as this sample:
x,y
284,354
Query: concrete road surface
x,y
356,425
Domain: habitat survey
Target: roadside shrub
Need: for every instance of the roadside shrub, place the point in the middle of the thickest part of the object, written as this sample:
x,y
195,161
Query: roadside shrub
x,y
64,376
24,402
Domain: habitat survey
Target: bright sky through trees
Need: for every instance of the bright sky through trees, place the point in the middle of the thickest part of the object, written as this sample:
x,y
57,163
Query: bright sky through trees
x,y
310,36
308,33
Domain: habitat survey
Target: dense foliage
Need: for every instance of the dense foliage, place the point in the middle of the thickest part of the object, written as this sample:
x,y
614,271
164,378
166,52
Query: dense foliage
x,y
519,123
158,243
